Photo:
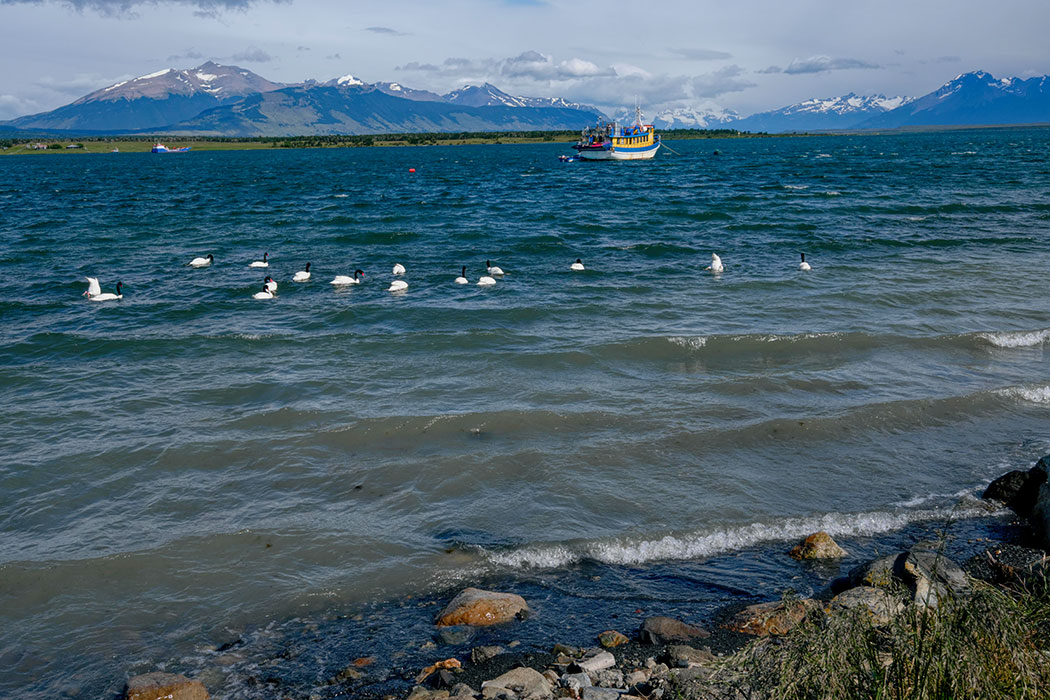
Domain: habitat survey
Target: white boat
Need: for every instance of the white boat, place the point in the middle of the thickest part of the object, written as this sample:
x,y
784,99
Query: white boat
x,y
613,141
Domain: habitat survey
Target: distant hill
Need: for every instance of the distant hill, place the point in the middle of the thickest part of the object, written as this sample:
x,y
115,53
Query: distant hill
x,y
817,114
359,108
973,98
151,101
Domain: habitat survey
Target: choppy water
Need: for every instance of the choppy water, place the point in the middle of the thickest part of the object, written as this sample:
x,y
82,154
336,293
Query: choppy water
x,y
188,460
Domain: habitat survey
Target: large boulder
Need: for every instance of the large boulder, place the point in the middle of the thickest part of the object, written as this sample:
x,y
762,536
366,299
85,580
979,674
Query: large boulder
x,y
1019,490
479,608
819,545
773,618
667,630
932,577
523,682
877,572
165,686
1040,515
880,605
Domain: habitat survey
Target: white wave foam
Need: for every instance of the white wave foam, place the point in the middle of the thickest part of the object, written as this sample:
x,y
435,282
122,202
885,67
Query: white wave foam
x,y
832,193
1035,394
690,342
795,187
1016,339
916,501
916,218
340,196
705,544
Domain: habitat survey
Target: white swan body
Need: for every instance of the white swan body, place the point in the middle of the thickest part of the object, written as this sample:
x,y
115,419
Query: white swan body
x,y
264,294
347,279
804,266
578,265
399,269
462,279
95,293
716,264
493,270
302,275
270,285
486,281
398,286
202,262
261,263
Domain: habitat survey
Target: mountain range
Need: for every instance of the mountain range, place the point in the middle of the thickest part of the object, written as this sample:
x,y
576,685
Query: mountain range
x,y
218,100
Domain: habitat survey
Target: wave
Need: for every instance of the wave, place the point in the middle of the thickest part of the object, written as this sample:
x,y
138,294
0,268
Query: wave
x,y
1016,339
706,543
1031,394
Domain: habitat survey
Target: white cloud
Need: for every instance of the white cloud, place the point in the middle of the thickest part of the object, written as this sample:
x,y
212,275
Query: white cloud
x,y
823,64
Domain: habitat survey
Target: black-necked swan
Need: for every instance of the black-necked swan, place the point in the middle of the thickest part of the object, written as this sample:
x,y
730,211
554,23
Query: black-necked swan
x,y
716,264
302,275
804,265
462,279
266,293
270,284
398,286
399,269
578,265
202,262
261,263
493,270
346,279
95,293
486,281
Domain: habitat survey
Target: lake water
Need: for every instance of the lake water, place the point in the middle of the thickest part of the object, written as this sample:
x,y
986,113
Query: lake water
x,y
189,465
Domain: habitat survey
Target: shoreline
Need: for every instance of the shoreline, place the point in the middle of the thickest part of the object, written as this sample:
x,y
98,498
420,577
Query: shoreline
x,y
135,144
368,654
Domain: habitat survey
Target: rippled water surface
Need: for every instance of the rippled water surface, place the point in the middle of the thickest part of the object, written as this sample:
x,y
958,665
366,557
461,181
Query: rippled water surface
x,y
189,459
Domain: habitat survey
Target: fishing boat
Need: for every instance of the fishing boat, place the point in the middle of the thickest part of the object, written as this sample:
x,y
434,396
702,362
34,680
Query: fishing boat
x,y
161,148
613,141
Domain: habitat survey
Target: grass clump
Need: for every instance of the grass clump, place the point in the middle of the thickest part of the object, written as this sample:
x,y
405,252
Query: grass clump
x,y
991,644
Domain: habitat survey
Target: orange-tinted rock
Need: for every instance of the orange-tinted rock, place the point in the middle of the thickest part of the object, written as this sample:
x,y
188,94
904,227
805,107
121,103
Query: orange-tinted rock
x,y
819,545
775,617
165,686
478,608
611,638
667,630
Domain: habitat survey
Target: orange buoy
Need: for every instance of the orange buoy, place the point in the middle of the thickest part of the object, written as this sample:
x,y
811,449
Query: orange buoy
x,y
411,170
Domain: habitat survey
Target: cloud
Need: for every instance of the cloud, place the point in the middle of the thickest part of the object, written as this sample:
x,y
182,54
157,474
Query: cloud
x,y
334,57
720,82
253,55
701,54
12,106
78,85
823,64
188,54
121,7
770,70
538,66
385,30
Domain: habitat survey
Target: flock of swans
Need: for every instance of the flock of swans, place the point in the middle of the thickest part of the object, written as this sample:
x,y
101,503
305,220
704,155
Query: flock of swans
x,y
269,288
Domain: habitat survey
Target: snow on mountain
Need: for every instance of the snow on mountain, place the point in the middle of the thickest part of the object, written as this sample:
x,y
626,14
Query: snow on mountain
x,y
977,97
815,114
486,95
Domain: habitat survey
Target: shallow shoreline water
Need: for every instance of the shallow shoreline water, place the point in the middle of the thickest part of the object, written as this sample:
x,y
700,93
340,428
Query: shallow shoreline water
x,y
190,460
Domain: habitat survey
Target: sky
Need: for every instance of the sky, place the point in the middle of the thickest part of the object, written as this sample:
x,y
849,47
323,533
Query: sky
x,y
747,55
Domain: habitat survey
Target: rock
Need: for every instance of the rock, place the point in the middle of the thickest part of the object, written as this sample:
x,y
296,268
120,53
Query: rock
x,y
775,617
526,683
1040,514
819,545
165,686
685,675
611,639
635,678
446,665
877,572
481,654
933,577
1019,490
880,605
455,635
667,630
347,674
594,660
566,650
682,656
608,678
478,608
575,681
462,690
593,693
421,693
